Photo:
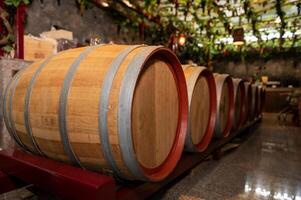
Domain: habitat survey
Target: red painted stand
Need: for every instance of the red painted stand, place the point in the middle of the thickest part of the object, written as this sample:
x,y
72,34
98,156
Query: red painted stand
x,y
6,183
74,183
19,25
54,177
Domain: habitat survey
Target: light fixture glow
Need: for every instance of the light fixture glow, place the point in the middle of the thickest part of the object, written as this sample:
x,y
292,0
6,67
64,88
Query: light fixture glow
x,y
182,39
104,4
238,36
127,3
238,43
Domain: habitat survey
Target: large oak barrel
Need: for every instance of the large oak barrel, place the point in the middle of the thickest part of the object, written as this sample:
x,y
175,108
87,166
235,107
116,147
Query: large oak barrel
x,y
113,108
248,97
239,103
202,107
225,105
254,103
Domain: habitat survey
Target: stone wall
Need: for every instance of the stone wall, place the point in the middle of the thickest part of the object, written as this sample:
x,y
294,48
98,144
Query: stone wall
x,y
94,21
8,68
286,69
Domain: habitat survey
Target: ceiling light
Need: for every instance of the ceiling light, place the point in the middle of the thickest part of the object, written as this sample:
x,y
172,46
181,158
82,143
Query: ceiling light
x,y
238,36
182,39
104,4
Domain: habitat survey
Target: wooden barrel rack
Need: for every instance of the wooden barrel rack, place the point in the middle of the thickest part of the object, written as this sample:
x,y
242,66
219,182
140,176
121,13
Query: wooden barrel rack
x,y
18,168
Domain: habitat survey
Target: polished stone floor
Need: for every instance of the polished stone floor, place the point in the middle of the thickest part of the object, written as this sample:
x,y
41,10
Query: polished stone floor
x,y
267,165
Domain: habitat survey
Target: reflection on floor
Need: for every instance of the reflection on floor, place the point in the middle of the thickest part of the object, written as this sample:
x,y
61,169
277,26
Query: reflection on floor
x,y
266,166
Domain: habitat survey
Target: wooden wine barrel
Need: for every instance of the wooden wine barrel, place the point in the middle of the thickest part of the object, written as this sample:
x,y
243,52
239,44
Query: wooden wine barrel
x,y
239,103
248,107
254,103
113,108
225,105
202,107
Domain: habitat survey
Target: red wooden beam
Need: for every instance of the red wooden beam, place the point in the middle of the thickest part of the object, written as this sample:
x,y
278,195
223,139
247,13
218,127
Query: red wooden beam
x,y
6,183
1,5
56,178
19,31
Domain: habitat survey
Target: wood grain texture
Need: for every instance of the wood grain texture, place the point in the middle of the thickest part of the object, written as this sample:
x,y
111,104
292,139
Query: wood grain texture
x,y
83,102
19,104
202,107
155,112
154,126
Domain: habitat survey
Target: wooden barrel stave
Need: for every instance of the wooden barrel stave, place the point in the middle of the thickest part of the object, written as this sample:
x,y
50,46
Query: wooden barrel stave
x,y
83,124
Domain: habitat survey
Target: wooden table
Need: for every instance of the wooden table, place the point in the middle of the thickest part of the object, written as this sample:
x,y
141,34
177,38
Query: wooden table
x,y
276,99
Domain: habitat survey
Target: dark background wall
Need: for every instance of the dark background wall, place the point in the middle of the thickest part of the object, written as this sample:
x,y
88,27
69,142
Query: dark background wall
x,y
93,22
284,68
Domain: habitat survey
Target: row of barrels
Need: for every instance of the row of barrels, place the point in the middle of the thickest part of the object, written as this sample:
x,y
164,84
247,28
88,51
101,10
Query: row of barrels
x,y
218,104
125,110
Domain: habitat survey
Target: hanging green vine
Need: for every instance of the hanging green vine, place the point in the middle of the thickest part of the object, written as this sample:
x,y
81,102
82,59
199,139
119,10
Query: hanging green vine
x,y
281,15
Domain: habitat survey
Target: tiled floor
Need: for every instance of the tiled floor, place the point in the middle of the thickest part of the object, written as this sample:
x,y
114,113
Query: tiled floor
x,y
267,165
